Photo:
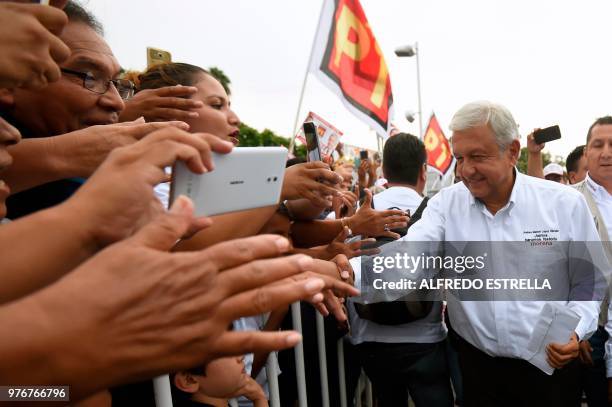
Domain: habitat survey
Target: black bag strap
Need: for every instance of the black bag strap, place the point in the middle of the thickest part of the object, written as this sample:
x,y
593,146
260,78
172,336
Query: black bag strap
x,y
418,213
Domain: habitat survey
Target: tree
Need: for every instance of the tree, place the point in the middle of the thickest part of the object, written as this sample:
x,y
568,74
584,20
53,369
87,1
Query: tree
x,y
250,137
546,159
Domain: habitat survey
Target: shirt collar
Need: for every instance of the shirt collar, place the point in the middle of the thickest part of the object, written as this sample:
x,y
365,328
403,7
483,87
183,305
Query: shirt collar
x,y
594,186
401,189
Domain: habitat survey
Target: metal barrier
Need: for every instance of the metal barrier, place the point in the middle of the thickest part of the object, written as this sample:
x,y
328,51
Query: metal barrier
x,y
272,375
163,395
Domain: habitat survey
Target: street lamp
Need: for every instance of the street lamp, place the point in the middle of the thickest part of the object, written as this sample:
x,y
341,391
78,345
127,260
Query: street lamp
x,y
408,51
409,115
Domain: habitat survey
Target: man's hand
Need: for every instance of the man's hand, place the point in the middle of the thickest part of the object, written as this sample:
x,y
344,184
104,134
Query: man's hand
x,y
350,250
313,181
344,204
561,354
362,172
31,49
370,222
585,353
163,104
119,197
158,311
344,268
76,154
105,138
532,146
372,177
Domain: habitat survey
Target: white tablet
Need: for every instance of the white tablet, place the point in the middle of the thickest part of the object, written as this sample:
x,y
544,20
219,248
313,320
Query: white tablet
x,y
246,178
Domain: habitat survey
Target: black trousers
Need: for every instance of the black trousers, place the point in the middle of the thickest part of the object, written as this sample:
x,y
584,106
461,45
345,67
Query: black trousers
x,y
399,369
505,382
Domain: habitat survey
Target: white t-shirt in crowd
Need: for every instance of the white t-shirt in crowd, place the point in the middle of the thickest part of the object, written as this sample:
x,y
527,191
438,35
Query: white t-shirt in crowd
x,y
503,328
430,329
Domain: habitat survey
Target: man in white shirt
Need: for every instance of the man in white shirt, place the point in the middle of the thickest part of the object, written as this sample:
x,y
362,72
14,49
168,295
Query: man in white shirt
x,y
408,357
496,203
597,190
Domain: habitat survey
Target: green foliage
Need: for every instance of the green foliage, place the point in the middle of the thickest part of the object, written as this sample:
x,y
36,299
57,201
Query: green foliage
x,y
250,137
522,162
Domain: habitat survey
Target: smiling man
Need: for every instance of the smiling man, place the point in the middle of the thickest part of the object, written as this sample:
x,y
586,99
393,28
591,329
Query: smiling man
x,y
87,94
597,190
496,203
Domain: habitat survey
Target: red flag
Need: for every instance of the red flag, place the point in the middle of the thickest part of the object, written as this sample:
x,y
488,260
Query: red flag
x,y
438,149
348,60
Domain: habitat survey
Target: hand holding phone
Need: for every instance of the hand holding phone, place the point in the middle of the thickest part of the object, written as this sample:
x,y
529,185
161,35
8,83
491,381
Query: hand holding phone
x,y
548,134
313,150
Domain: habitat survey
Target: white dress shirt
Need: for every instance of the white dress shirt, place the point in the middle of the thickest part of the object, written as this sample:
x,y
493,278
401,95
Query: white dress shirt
x,y
430,329
603,199
503,328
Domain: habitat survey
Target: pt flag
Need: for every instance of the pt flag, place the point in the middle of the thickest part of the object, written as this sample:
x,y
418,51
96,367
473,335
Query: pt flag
x,y
438,150
348,60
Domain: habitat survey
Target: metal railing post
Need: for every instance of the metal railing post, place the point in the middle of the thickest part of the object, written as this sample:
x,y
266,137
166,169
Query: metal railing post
x,y
322,360
300,372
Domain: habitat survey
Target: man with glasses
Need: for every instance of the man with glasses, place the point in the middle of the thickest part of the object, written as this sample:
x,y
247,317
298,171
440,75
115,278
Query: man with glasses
x,y
124,87
87,94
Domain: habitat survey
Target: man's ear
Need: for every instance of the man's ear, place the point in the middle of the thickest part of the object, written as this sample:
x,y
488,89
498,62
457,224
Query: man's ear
x,y
515,151
423,174
7,98
186,382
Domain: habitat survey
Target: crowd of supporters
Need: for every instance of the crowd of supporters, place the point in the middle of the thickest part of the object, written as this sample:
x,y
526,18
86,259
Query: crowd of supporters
x,y
107,282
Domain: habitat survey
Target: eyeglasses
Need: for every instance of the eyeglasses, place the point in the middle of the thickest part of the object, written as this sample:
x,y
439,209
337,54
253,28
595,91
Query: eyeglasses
x,y
101,86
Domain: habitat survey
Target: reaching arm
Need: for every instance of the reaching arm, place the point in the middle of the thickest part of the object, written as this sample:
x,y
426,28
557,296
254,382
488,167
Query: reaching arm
x,y
227,227
40,160
104,210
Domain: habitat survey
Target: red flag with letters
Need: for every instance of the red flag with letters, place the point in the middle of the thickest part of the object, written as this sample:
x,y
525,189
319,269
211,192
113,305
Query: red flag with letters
x,y
348,60
439,154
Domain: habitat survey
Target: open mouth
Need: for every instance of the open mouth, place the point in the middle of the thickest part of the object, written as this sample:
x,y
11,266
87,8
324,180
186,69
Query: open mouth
x,y
234,137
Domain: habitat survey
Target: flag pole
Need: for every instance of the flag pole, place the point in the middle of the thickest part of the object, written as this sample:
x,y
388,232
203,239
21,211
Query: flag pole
x,y
299,108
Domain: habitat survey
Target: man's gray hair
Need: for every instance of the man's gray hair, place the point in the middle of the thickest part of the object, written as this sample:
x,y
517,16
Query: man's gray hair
x,y
483,112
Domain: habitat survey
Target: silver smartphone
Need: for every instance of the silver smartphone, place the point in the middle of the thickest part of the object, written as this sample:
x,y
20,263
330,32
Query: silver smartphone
x,y
246,178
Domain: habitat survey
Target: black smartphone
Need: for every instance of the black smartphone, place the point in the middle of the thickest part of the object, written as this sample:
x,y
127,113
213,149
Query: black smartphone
x,y
548,134
363,154
313,151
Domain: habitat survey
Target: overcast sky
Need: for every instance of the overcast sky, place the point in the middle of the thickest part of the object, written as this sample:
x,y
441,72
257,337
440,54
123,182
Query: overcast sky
x,y
548,61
